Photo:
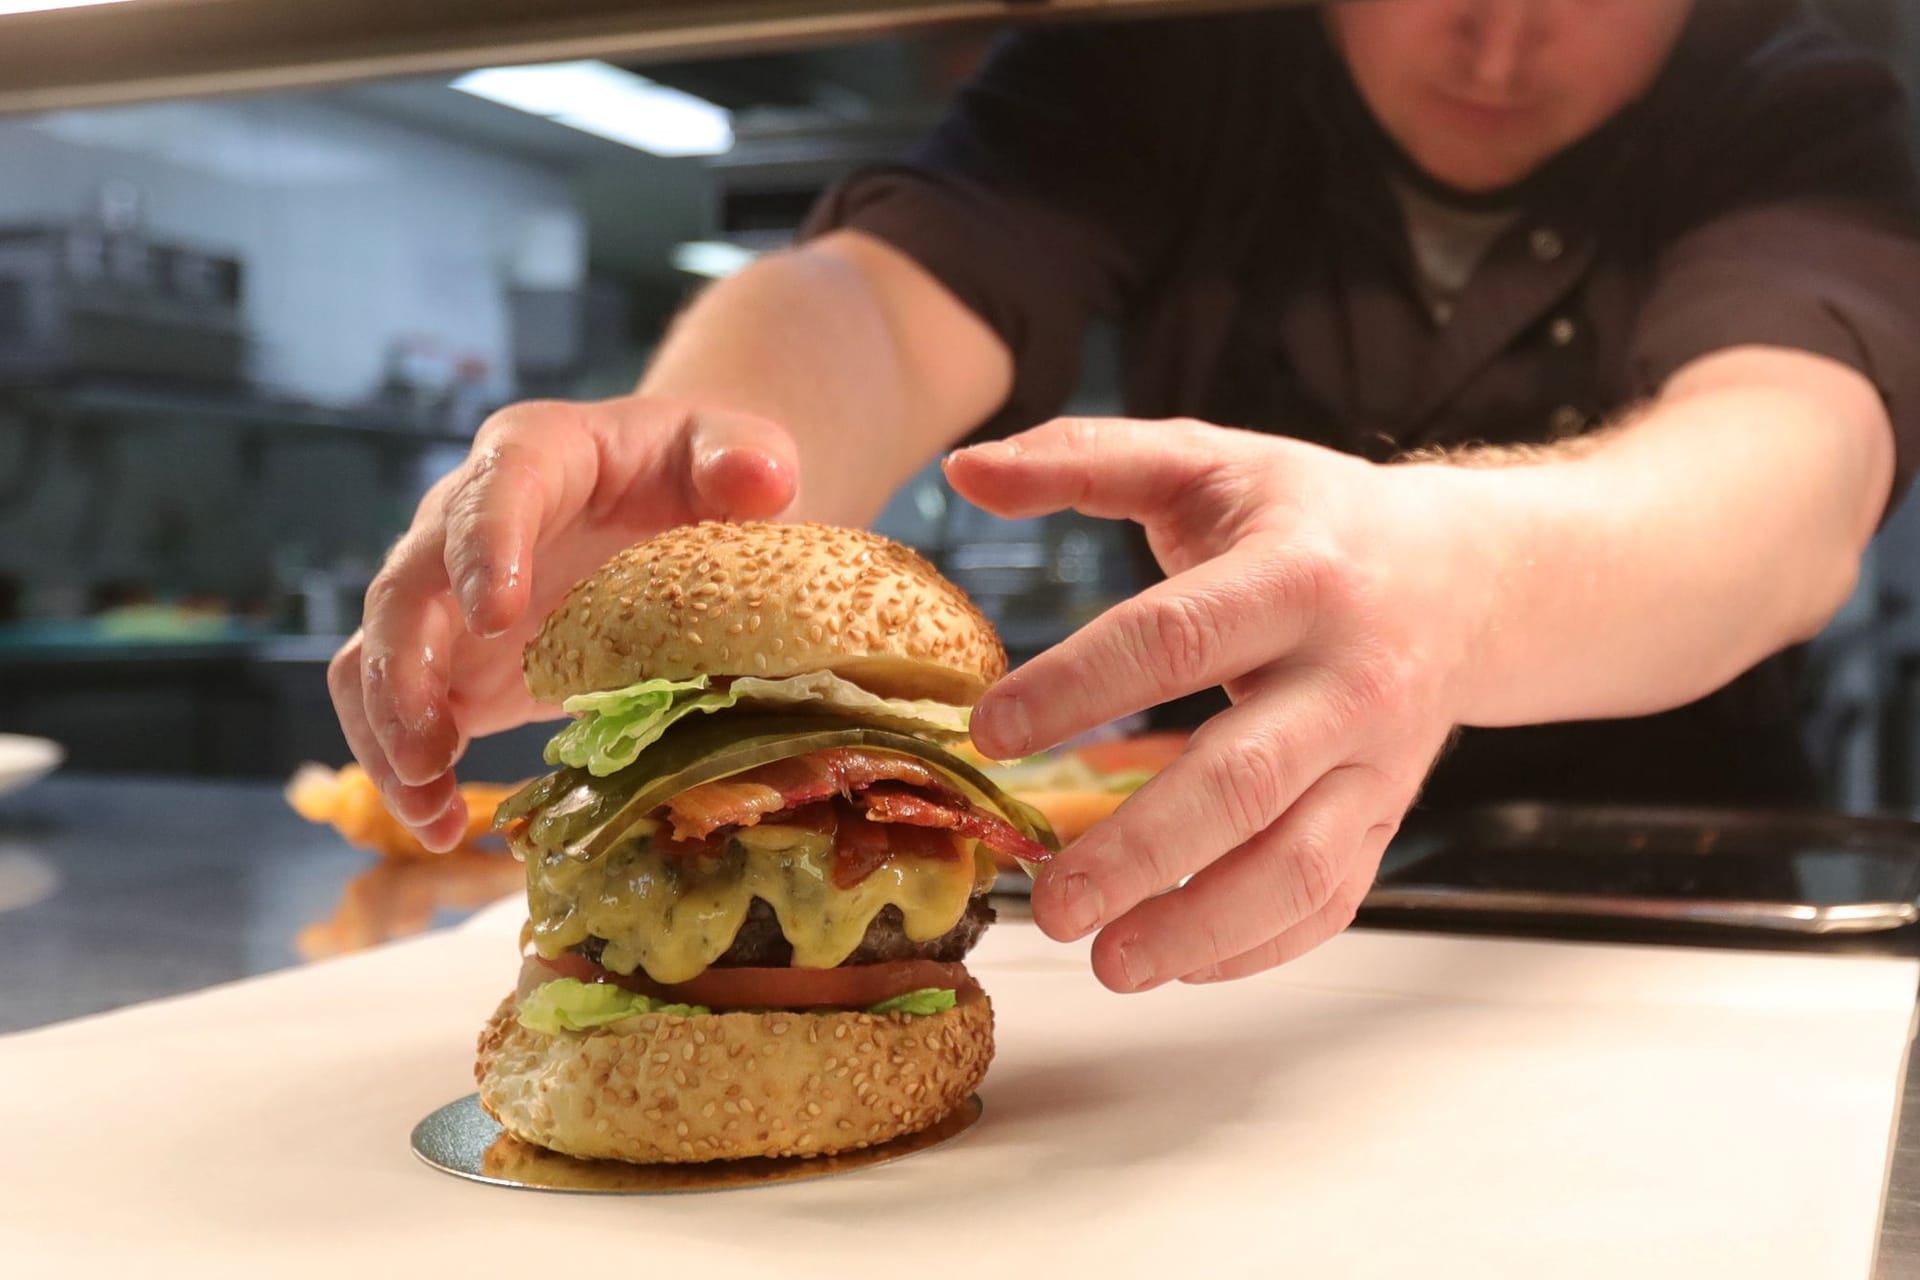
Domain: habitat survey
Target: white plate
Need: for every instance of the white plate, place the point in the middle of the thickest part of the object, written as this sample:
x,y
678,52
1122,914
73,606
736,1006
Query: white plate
x,y
24,760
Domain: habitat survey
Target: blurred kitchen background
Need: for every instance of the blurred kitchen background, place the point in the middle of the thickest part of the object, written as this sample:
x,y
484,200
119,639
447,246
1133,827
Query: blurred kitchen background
x,y
241,334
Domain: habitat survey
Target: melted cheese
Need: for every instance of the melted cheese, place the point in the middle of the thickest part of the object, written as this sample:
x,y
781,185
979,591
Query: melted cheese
x,y
672,917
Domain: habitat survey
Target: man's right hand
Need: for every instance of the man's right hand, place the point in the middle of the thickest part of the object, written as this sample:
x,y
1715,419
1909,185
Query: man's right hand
x,y
549,492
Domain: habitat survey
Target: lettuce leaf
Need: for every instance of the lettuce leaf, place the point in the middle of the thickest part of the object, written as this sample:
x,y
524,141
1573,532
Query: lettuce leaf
x,y
568,1004
615,726
926,1000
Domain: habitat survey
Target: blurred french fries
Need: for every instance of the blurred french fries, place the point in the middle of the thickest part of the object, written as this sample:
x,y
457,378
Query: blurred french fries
x,y
347,800
1078,787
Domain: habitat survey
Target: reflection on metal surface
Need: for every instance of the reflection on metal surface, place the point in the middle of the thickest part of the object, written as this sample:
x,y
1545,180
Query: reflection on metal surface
x,y
462,1140
1733,870
1768,917
25,879
394,899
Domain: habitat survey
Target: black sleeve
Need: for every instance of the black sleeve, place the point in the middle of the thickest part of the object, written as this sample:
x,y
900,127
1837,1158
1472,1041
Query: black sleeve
x,y
1039,201
1802,230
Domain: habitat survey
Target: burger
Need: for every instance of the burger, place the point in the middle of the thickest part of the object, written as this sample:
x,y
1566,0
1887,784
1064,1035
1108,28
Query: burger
x,y
755,876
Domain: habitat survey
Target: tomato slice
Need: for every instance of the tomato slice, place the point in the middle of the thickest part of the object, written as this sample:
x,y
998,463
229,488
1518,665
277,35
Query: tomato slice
x,y
568,964
849,987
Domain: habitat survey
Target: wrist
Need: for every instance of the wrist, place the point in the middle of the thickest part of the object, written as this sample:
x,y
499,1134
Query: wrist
x,y
1491,536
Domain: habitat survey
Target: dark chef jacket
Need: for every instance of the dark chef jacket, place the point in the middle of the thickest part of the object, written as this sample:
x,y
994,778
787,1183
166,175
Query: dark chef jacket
x,y
1217,187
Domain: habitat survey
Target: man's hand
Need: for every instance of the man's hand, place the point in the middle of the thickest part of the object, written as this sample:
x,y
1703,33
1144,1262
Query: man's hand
x,y
1326,595
1356,613
549,492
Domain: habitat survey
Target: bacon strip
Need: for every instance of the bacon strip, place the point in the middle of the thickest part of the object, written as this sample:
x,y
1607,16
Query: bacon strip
x,y
746,798
862,846
900,808
897,804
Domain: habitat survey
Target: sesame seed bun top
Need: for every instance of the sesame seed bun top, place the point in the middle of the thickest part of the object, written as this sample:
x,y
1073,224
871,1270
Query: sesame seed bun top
x,y
767,600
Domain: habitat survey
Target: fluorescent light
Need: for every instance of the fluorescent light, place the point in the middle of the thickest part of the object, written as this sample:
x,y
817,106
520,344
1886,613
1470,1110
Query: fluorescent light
x,y
715,258
37,6
597,98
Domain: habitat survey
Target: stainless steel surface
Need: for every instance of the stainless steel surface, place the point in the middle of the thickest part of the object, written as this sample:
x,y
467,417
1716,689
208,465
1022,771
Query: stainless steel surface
x,y
81,300
158,889
1783,917
1708,869
180,48
462,1140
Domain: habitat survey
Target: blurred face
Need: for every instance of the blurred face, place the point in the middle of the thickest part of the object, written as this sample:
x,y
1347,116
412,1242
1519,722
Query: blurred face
x,y
1480,93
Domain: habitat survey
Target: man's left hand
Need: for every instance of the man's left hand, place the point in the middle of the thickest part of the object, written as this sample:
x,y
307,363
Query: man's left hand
x,y
1339,602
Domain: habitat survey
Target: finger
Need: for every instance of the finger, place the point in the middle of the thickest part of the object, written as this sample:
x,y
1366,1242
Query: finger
x,y
450,828
1281,877
1115,468
414,806
538,467
505,494
349,705
407,635
741,467
1205,627
1237,775
1326,923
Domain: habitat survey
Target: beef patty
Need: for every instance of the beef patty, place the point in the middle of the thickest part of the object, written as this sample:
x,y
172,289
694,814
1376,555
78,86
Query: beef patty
x,y
761,945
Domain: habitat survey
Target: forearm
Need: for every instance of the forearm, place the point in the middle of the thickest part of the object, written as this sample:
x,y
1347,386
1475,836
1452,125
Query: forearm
x,y
870,365
1725,522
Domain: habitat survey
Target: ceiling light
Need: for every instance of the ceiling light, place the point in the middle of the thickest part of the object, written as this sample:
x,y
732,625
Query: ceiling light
x,y
601,99
714,258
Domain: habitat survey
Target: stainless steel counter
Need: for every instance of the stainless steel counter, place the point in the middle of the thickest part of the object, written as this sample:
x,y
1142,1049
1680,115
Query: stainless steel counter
x,y
116,891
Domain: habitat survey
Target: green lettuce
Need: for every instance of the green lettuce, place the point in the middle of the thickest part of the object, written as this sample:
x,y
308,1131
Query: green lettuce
x,y
924,1001
615,726
568,1004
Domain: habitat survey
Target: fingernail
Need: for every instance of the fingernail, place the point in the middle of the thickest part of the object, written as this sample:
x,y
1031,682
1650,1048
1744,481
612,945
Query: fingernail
x,y
1083,905
1134,966
991,451
1008,728
1205,975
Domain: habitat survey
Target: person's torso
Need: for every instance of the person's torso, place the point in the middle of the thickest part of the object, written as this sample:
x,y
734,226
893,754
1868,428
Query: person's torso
x,y
1306,310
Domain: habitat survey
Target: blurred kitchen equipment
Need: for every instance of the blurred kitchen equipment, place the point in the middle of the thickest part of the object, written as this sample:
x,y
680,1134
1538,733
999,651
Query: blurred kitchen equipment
x,y
80,300
1732,871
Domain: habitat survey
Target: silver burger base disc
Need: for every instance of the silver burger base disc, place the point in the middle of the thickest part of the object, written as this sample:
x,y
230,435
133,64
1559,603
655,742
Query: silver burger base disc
x,y
464,1141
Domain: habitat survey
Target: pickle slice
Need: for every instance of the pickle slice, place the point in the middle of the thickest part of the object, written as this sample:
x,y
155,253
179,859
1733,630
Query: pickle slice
x,y
576,815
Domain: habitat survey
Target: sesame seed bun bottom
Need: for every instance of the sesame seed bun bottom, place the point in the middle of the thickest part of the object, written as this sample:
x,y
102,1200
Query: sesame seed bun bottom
x,y
666,1089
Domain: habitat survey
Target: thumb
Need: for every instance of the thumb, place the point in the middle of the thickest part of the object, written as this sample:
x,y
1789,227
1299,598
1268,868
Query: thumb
x,y
741,466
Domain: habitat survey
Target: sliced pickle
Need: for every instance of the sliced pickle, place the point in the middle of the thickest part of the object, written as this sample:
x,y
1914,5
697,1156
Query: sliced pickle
x,y
579,816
